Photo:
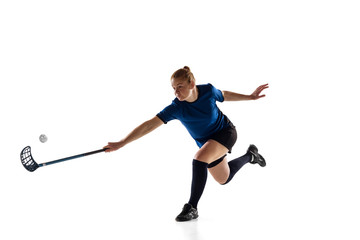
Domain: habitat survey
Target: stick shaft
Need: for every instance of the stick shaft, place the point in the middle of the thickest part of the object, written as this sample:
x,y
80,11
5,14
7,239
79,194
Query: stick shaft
x,y
70,158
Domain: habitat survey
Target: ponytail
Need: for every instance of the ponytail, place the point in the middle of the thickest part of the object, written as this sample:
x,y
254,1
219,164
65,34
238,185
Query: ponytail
x,y
184,73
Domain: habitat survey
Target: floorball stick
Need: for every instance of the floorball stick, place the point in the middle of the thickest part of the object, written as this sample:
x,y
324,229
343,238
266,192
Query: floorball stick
x,y
29,163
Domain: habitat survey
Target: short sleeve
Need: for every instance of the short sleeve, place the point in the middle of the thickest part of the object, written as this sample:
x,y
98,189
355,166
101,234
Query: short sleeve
x,y
217,94
168,113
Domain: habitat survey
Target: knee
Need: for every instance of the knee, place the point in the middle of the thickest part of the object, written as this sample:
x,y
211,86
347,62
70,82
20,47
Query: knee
x,y
222,182
202,157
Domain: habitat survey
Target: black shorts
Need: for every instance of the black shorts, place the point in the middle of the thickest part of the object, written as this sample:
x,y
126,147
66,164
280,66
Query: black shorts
x,y
226,137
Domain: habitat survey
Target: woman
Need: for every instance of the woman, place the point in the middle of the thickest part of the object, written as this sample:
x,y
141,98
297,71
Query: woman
x,y
195,106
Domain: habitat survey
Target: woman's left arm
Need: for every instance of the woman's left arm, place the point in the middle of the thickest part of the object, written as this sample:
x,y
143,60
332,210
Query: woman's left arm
x,y
231,96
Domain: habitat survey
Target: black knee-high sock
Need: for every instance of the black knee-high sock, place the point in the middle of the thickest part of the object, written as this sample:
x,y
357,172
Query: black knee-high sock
x,y
236,164
199,177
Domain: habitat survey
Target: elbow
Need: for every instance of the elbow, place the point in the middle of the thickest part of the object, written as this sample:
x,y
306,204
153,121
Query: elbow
x,y
228,96
225,95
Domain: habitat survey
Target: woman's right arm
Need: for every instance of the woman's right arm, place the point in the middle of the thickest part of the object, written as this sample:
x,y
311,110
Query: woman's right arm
x,y
137,133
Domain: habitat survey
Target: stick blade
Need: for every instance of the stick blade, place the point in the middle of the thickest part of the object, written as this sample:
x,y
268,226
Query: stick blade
x,y
27,160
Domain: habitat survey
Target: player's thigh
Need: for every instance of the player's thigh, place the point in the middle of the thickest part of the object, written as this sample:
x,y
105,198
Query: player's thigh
x,y
210,151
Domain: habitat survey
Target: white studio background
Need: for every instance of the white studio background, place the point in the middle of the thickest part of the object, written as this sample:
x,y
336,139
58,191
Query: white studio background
x,y
88,72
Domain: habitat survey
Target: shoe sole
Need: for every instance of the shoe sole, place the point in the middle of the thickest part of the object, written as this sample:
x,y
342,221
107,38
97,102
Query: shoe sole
x,y
185,220
254,151
263,162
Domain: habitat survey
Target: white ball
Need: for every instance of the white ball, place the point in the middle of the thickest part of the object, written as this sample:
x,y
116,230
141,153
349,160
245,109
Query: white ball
x,y
43,138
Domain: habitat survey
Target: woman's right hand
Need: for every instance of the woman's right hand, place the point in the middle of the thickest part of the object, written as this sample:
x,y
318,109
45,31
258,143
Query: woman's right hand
x,y
113,146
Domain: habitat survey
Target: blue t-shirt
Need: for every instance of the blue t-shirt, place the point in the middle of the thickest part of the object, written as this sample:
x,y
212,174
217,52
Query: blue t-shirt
x,y
201,118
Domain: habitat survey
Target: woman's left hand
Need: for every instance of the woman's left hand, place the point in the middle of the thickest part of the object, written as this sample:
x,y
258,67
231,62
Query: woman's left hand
x,y
256,94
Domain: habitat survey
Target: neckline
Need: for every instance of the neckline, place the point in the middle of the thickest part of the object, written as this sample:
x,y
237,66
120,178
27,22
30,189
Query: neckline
x,y
198,96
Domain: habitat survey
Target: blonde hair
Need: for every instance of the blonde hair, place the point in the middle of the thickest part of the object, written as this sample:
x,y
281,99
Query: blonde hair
x,y
184,73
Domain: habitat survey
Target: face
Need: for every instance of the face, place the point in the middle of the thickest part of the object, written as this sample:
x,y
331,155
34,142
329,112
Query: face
x,y
182,89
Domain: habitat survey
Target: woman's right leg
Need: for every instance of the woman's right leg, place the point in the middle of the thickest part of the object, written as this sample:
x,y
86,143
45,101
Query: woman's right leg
x,y
221,171
224,171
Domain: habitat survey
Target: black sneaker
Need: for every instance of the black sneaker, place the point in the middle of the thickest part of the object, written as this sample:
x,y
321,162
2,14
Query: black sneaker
x,y
188,213
257,158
